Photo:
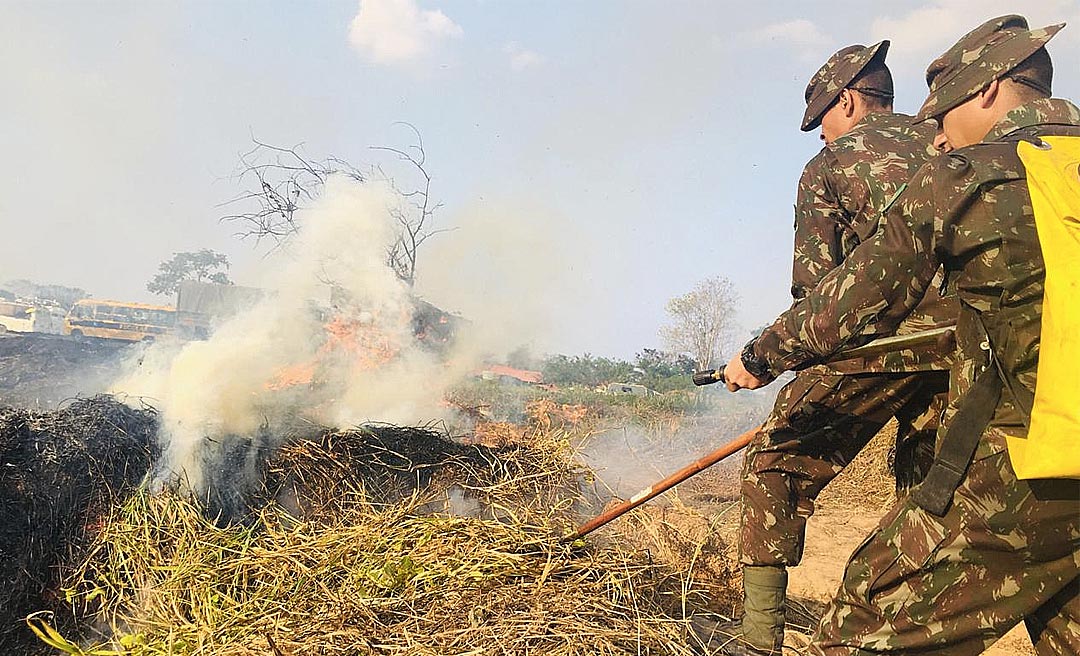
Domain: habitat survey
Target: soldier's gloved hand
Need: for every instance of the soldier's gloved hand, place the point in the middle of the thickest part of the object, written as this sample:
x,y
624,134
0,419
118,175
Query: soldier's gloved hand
x,y
738,377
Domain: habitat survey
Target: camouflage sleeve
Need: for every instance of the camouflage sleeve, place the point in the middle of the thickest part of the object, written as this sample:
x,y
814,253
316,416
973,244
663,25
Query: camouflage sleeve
x,y
878,284
819,216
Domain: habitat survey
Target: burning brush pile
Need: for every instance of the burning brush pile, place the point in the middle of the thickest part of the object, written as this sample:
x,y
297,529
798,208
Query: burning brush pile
x,y
245,526
373,541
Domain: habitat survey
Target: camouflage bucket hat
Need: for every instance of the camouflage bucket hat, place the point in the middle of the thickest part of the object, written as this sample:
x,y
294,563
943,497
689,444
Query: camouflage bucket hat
x,y
982,55
835,76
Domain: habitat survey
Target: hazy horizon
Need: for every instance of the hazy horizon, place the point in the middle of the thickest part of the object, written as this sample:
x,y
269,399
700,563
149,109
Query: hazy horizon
x,y
592,162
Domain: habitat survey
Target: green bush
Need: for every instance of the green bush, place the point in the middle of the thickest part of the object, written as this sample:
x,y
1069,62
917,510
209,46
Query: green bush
x,y
657,370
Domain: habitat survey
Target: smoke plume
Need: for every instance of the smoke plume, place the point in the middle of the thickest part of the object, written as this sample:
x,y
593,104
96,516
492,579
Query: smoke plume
x,y
332,343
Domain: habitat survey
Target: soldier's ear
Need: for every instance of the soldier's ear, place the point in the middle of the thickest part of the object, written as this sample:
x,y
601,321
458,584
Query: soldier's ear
x,y
989,94
847,103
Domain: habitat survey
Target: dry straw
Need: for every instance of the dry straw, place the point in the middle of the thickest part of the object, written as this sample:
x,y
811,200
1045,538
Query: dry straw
x,y
394,577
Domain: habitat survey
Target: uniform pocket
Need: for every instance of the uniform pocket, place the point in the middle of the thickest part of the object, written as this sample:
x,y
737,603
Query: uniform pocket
x,y
794,406
898,555
805,413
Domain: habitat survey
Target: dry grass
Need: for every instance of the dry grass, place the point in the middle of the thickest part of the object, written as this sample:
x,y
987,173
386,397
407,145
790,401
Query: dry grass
x,y
359,577
867,482
686,540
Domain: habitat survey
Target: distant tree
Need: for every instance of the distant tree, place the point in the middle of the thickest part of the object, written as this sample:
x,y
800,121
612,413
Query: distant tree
x,y
415,210
663,371
201,266
62,295
281,181
662,364
658,370
702,321
59,294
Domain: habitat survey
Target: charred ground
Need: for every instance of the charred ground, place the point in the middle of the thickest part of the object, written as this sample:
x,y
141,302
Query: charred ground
x,y
39,370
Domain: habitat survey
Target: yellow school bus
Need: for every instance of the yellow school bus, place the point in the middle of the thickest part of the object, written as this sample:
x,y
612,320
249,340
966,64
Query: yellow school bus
x,y
118,320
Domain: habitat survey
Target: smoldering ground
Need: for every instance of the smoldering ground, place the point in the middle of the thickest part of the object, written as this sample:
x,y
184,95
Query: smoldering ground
x,y
333,344
277,360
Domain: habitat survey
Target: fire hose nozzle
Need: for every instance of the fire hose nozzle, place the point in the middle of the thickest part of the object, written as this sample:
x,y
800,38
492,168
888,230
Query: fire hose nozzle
x,y
708,377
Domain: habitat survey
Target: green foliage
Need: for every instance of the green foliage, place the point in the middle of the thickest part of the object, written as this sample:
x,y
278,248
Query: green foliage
x,y
576,379
587,370
663,371
500,401
658,370
629,405
201,266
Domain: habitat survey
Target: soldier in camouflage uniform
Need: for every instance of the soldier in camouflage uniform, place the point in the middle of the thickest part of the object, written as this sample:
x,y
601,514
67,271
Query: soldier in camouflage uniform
x,y
973,551
825,416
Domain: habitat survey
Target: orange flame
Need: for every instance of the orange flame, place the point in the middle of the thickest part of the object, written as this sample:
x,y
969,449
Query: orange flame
x,y
361,343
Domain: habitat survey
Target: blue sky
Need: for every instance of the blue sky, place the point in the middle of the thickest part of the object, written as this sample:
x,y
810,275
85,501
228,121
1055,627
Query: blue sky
x,y
595,159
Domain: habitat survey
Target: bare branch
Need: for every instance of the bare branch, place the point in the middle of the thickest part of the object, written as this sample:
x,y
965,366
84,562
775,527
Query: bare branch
x,y
279,182
703,321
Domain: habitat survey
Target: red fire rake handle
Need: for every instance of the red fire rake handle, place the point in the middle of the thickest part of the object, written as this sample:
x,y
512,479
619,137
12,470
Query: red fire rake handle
x,y
734,446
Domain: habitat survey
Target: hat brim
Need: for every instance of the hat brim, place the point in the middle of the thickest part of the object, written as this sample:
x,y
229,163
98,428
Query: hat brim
x,y
958,90
816,108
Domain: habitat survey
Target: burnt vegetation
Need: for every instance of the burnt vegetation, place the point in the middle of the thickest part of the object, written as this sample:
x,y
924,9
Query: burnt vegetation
x,y
39,370
61,473
66,476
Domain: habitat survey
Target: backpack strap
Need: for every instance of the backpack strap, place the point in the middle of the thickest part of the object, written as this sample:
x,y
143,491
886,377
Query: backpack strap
x,y
958,444
961,438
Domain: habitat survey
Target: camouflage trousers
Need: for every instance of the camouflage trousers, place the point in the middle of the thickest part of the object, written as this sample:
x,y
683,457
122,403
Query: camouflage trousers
x,y
819,423
1006,551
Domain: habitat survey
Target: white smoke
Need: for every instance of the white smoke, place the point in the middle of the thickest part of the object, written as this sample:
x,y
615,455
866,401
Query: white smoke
x,y
514,267
279,360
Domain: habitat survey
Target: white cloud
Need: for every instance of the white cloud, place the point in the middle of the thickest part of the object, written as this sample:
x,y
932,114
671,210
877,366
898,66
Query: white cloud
x,y
929,28
398,31
922,34
520,58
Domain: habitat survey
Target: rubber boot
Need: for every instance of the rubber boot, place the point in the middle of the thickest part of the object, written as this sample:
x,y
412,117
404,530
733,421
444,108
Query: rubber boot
x,y
764,592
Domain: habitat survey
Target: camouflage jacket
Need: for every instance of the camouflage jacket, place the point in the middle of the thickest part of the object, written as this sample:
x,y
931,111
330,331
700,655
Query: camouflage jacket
x,y
969,211
841,195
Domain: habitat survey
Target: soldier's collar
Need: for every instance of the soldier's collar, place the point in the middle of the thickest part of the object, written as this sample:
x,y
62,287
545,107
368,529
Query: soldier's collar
x,y
879,117
874,119
1043,110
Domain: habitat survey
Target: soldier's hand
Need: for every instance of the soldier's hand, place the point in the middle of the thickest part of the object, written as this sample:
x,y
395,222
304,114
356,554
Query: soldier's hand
x,y
738,377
